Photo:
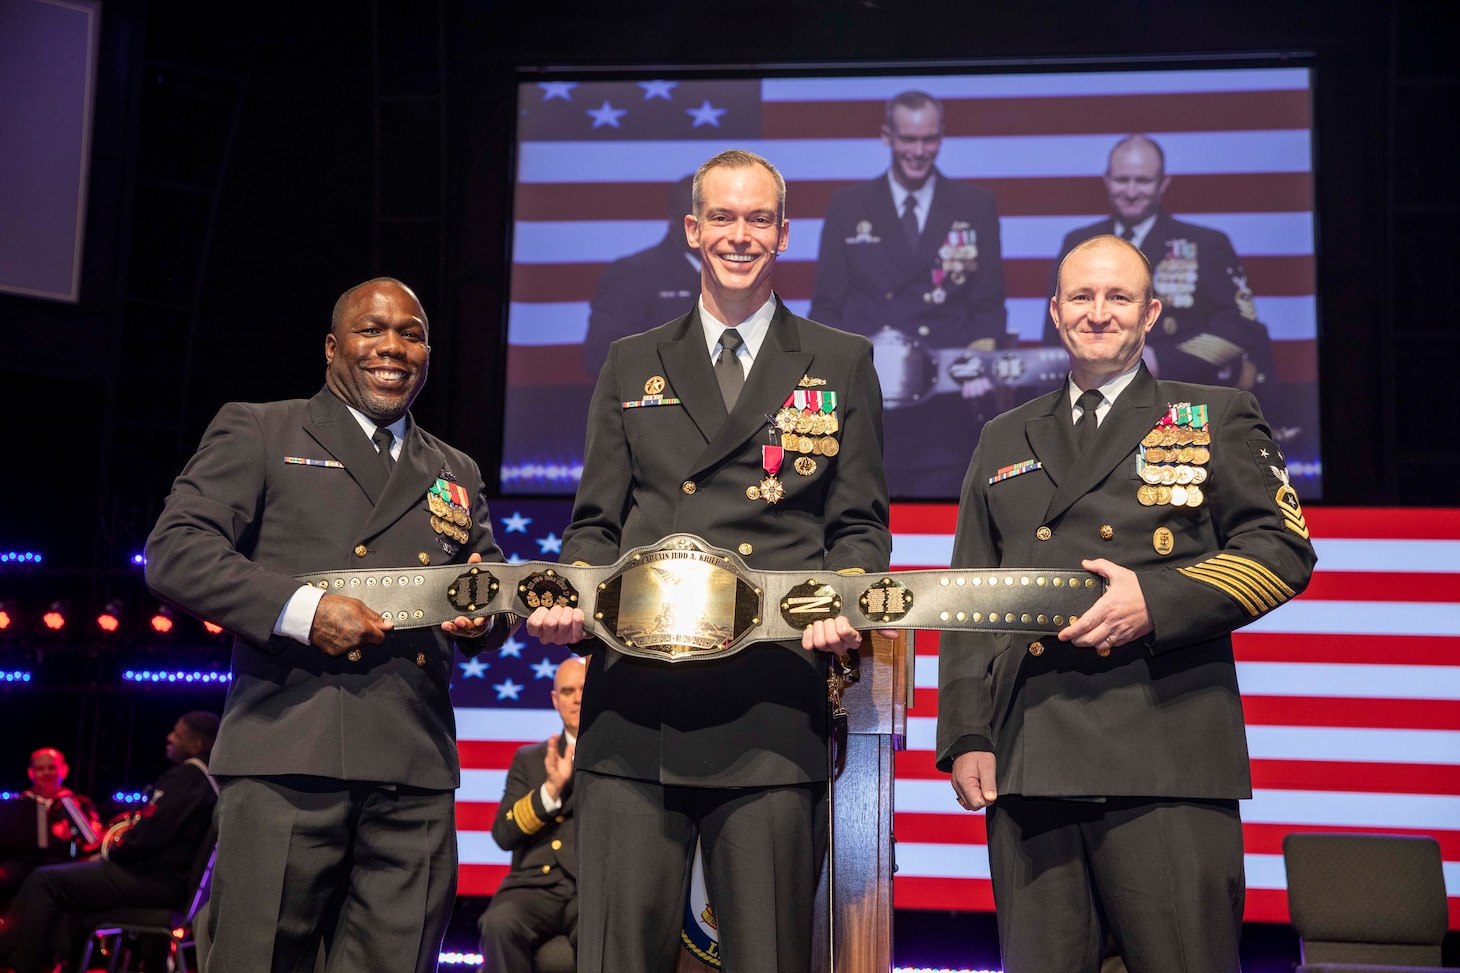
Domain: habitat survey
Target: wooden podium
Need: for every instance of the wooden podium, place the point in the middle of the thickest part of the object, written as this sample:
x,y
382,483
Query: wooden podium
x,y
854,931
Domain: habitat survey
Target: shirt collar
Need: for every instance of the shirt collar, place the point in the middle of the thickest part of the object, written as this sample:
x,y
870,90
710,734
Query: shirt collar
x,y
923,194
397,428
752,330
1110,390
1139,231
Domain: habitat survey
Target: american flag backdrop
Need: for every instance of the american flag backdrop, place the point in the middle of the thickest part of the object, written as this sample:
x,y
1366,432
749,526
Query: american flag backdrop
x,y
596,161
1351,692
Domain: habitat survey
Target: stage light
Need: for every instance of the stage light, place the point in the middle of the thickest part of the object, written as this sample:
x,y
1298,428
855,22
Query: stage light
x,y
110,618
190,677
9,616
139,559
212,628
55,616
19,557
161,621
14,675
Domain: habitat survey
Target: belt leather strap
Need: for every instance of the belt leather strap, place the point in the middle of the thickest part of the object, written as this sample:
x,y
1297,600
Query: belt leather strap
x,y
683,600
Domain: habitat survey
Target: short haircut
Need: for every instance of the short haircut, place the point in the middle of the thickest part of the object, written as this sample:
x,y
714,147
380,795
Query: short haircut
x,y
1100,241
1138,140
912,101
736,159
337,316
203,725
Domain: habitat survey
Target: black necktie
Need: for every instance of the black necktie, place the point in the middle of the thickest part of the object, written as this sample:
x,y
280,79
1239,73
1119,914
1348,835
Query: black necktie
x,y
727,367
382,439
910,221
1085,428
1128,234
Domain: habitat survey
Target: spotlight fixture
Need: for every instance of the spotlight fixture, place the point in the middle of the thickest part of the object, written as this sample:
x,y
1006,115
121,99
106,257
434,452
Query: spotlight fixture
x,y
9,616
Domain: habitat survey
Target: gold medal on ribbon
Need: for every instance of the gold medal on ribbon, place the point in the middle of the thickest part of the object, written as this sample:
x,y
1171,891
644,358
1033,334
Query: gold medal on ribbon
x,y
830,447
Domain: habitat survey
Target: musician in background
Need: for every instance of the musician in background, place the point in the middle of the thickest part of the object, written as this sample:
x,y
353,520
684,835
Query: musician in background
x,y
150,864
918,253
72,827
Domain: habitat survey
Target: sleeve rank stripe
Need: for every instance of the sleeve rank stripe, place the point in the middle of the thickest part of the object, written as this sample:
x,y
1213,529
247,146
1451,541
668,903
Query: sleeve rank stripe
x,y
1274,582
1263,596
1296,524
1217,582
1212,349
525,816
1254,598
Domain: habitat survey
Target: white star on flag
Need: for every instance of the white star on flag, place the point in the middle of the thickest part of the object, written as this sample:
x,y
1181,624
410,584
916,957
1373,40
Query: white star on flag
x,y
606,115
512,648
507,689
705,114
515,558
515,524
551,544
473,668
545,669
557,89
658,89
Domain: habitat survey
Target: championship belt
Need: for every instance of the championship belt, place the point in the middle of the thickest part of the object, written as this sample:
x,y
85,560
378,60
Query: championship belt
x,y
682,600
911,374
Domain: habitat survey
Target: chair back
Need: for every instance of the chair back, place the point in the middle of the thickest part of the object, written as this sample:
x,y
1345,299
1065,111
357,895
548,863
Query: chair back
x,y
1363,898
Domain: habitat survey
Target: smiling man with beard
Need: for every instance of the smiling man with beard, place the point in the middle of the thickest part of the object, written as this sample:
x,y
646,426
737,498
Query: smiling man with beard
x,y
337,751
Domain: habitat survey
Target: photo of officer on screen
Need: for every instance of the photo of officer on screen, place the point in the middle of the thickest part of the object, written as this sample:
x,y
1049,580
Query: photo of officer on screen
x,y
911,259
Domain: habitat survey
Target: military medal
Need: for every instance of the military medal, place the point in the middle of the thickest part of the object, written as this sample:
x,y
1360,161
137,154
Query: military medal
x,y
1170,459
805,465
771,489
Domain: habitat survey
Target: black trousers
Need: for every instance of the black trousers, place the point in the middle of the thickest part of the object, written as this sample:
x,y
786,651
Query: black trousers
x,y
368,869
1164,877
636,842
54,898
520,919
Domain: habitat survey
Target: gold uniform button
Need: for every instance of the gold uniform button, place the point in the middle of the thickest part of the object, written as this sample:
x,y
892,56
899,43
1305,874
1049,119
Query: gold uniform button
x,y
1044,533
360,550
924,331
745,549
557,843
546,869
1106,532
424,558
687,487
560,819
420,658
1036,648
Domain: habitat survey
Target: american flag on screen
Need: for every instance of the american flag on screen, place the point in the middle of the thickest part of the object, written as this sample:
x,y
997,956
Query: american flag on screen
x,y
597,159
1351,692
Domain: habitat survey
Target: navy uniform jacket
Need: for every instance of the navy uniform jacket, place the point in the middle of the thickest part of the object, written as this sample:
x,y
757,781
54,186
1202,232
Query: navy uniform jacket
x,y
165,839
868,278
247,514
1208,323
759,717
1161,716
639,292
541,843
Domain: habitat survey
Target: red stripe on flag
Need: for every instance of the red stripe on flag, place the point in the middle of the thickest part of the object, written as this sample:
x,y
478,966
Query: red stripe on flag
x,y
942,894
536,365
1210,111
487,754
479,879
476,815
916,765
1282,276
1367,713
1267,839
1356,777
924,518
940,829
1397,650
1296,361
1383,586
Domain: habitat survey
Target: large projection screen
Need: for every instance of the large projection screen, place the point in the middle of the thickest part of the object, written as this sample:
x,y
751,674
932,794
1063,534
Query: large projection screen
x,y
597,229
